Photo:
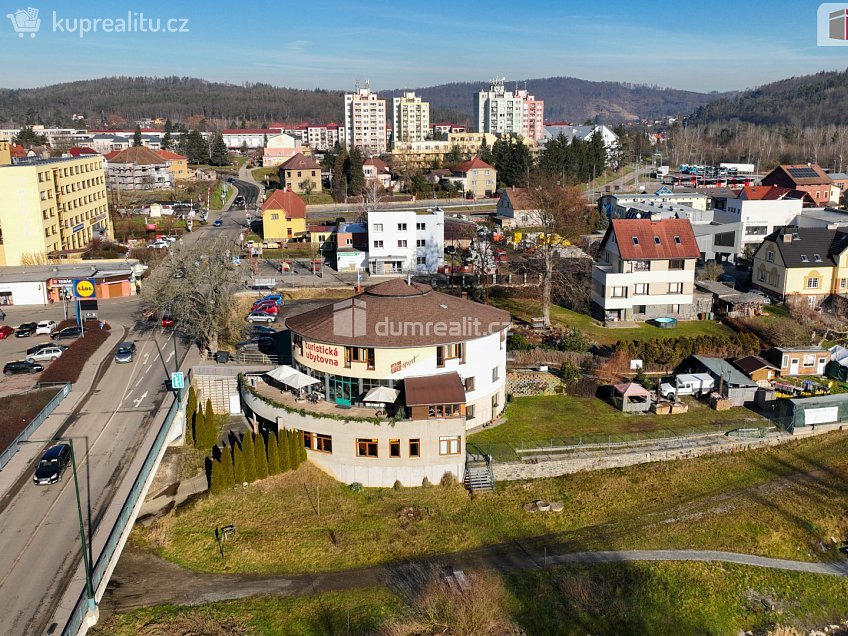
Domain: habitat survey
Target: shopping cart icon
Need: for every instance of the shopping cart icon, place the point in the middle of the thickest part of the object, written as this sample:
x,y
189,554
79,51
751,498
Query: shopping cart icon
x,y
25,21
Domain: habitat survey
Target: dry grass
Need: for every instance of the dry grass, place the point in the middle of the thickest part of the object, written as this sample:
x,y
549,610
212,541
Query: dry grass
x,y
319,293
17,411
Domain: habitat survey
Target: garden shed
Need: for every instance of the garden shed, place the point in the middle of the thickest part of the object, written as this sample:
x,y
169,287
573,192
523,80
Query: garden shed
x,y
729,381
807,412
631,398
760,371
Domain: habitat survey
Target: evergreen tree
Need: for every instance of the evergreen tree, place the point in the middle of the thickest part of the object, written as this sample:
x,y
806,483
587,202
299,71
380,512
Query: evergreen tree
x,y
339,182
261,459
512,161
211,424
283,446
216,480
167,141
244,148
294,452
191,410
249,458
485,153
238,465
199,429
219,156
273,455
137,136
302,448
195,147
227,467
354,173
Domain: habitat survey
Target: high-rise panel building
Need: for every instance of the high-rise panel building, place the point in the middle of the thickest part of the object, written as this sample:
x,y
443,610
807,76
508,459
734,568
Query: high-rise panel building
x,y
365,121
411,118
502,112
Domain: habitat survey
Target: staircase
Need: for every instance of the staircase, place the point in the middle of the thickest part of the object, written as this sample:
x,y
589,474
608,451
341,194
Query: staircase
x,y
478,473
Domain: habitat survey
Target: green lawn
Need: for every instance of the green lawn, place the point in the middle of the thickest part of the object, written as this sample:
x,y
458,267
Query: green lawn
x,y
634,598
215,202
564,417
317,198
271,172
784,502
525,309
134,226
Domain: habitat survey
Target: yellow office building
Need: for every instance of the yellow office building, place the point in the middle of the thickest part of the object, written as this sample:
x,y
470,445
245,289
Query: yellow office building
x,y
51,206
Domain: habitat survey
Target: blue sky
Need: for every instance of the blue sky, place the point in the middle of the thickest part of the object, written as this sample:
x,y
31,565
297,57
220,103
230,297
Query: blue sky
x,y
702,46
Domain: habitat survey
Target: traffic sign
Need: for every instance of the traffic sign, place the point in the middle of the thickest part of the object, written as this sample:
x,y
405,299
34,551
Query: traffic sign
x,y
177,380
85,288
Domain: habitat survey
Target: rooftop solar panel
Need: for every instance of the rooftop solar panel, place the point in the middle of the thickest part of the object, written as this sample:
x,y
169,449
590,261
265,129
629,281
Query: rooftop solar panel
x,y
803,173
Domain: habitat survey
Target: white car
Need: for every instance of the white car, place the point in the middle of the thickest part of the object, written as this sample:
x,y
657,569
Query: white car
x,y
159,245
260,316
46,326
48,353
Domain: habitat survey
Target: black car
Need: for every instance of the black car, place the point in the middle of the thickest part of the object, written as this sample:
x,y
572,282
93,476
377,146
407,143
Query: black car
x,y
260,343
22,366
25,330
43,345
262,330
67,333
52,464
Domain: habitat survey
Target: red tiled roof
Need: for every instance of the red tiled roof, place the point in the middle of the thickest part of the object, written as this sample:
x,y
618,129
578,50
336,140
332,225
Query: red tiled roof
x,y
378,163
805,174
78,152
138,155
763,193
300,162
18,152
288,201
654,239
170,156
475,163
251,131
111,154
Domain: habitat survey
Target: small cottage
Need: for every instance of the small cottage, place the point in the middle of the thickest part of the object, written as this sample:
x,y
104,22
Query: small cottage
x,y
800,360
759,370
631,398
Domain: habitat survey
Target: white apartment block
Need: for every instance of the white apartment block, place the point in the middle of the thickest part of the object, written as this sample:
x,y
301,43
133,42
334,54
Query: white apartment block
x,y
411,118
365,121
406,241
498,111
757,219
645,270
323,138
532,115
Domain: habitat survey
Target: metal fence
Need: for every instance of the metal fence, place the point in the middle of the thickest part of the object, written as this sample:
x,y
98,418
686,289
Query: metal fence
x,y
77,619
24,435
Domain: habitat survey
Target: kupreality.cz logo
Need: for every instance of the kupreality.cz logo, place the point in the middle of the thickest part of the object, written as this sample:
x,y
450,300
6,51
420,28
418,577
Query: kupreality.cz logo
x,y
28,22
832,24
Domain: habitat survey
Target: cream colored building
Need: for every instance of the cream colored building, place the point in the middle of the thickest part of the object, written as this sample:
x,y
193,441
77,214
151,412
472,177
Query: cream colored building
x,y
365,121
52,205
411,118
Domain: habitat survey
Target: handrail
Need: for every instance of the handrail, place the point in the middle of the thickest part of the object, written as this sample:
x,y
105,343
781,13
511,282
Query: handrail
x,y
42,415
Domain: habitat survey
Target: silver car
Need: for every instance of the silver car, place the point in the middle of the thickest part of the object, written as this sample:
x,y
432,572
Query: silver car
x,y
125,352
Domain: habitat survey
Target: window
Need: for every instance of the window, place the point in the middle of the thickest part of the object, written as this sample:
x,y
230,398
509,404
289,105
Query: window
x,y
449,445
804,258
761,276
843,283
401,227
360,355
756,230
454,351
378,243
378,227
307,439
641,289
677,263
275,216
469,384
420,226
415,448
324,443
619,292
817,258
420,260
657,240
469,412
635,240
366,448
394,448
495,374
809,360
420,243
641,266
677,240
812,283
675,288
770,256
402,243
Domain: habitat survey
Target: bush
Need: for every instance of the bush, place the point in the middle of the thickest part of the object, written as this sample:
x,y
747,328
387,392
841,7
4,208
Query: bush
x,y
261,457
425,483
356,487
191,409
216,482
238,465
574,340
569,373
69,366
227,467
199,430
517,342
448,480
283,446
397,485
273,455
249,453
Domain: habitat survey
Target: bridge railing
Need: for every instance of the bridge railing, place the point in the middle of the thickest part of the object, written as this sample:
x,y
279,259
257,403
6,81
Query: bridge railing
x,y
81,609
24,435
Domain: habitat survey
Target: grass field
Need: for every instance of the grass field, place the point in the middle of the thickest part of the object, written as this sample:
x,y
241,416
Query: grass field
x,y
525,309
565,416
18,410
637,598
785,502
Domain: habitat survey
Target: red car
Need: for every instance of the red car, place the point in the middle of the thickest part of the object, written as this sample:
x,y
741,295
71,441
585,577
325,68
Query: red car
x,y
167,321
268,308
5,332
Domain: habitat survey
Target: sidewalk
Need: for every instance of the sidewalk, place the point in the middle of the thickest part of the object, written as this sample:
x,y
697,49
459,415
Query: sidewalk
x,y
22,460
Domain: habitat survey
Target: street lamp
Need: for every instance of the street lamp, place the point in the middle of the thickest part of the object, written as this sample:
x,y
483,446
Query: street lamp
x,y
89,588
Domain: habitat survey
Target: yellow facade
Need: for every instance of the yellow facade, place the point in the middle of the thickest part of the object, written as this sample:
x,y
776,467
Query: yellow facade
x,y
5,153
296,180
277,226
815,281
49,206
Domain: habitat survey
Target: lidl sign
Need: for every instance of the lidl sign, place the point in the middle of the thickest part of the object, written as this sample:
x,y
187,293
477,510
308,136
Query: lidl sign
x,y
85,288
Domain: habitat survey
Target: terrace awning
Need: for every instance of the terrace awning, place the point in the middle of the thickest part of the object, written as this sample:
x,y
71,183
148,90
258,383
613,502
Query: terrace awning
x,y
292,377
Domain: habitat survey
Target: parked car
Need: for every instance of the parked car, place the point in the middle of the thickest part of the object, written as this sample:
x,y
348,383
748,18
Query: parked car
x,y
727,279
67,333
47,353
218,223
257,343
763,295
696,384
167,322
262,330
25,330
268,308
260,316
46,327
52,464
5,332
22,366
276,298
125,352
44,345
158,244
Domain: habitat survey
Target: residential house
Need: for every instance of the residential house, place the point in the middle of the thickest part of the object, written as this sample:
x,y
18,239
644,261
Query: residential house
x,y
301,174
279,149
476,177
351,247
840,180
804,263
283,216
322,237
236,138
645,270
402,241
616,206
515,209
730,383
809,178
138,168
177,164
375,169
799,360
759,370
365,121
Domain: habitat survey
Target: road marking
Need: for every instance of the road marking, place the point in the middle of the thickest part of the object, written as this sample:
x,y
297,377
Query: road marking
x,y
170,355
146,358
127,395
139,400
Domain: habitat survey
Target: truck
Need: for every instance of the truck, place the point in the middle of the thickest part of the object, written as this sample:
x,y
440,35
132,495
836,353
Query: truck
x,y
738,168
696,384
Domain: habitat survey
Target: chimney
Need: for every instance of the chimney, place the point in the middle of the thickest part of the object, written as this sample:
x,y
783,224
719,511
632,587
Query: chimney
x,y
787,238
464,295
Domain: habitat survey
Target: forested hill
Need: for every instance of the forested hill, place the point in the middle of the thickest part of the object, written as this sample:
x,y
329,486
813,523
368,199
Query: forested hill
x,y
127,99
809,100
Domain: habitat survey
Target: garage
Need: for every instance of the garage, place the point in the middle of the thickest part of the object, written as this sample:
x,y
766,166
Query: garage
x,y
802,413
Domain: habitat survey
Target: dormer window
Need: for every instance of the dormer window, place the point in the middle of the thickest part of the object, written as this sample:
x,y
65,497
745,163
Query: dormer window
x,y
817,258
635,240
804,258
677,240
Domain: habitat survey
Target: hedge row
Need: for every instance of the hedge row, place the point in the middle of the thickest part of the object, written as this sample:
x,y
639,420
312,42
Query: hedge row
x,y
255,457
69,366
672,351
